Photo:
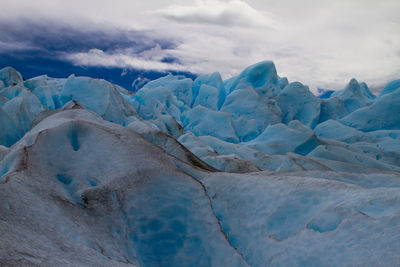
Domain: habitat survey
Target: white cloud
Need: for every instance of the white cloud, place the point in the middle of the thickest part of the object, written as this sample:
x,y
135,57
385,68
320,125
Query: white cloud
x,y
122,59
231,13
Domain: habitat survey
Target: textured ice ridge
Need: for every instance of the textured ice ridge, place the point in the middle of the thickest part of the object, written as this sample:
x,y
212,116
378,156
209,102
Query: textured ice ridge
x,y
253,121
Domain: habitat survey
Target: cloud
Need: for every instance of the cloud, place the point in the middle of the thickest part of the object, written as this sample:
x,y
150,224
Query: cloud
x,y
232,13
105,47
52,35
321,43
124,59
10,46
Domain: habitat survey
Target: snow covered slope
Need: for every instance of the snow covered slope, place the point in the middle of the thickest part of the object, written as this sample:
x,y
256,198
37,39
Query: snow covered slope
x,y
253,171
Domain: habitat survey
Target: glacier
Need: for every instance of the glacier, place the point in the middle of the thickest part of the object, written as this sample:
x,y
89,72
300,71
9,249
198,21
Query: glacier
x,y
250,171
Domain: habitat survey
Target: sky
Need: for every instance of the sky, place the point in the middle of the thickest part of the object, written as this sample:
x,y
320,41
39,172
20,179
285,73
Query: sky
x,y
321,43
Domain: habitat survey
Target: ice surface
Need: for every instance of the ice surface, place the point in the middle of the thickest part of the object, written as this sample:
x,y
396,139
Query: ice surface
x,y
242,110
170,145
309,218
337,153
298,103
335,130
9,133
343,102
10,77
19,109
203,121
44,94
332,108
75,207
221,155
383,114
262,77
354,96
94,175
12,91
390,87
212,95
279,139
196,145
231,163
99,96
180,86
251,113
3,100
56,86
153,102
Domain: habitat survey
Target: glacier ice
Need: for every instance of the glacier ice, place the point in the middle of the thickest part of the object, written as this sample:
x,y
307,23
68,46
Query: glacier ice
x,y
213,93
354,96
78,162
210,97
10,77
196,145
242,110
203,121
309,218
332,108
44,94
9,133
99,96
382,114
278,139
298,103
262,77
85,202
390,87
343,102
180,86
250,112
338,153
333,129
254,170
150,103
256,110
